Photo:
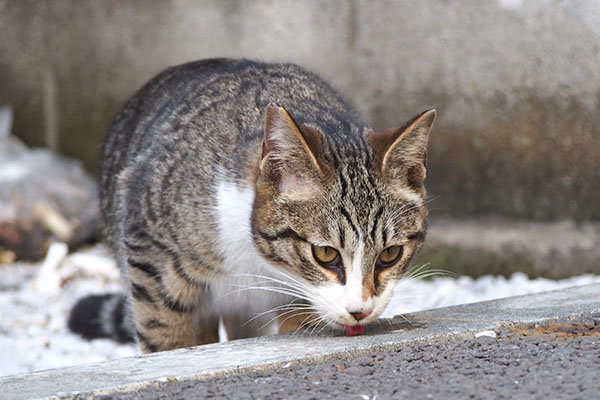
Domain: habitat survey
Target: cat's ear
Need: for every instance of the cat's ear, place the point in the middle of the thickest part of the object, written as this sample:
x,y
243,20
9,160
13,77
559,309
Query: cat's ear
x,y
290,153
401,153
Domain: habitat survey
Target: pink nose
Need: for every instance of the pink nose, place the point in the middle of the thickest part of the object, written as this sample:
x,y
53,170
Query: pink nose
x,y
360,315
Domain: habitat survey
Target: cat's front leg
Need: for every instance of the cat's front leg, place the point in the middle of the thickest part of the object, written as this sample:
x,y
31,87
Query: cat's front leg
x,y
167,306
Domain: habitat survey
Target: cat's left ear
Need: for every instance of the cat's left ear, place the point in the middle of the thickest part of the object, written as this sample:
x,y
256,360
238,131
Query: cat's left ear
x,y
401,153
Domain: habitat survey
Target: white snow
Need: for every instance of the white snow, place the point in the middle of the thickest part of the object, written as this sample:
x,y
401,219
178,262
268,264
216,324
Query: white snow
x,y
35,300
34,305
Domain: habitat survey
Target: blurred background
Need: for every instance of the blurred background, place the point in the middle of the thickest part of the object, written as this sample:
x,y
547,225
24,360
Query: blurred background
x,y
513,164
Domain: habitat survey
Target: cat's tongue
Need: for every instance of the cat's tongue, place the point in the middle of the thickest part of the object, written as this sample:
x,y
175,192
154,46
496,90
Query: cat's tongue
x,y
354,330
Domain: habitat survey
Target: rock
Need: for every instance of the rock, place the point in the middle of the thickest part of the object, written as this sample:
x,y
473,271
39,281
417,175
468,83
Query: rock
x,y
44,197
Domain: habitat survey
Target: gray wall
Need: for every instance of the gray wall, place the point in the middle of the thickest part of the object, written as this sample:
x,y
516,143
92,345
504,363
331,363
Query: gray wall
x,y
516,83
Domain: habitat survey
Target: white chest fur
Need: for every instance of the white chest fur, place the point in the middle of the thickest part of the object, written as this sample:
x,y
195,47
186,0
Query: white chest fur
x,y
250,287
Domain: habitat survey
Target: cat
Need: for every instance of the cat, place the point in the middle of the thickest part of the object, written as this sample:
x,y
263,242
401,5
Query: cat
x,y
252,193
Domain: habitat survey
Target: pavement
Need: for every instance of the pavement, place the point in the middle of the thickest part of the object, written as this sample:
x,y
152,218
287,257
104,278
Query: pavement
x,y
429,354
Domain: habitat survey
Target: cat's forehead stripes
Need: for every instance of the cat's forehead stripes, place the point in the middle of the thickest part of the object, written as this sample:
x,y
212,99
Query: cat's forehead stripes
x,y
357,190
375,223
348,221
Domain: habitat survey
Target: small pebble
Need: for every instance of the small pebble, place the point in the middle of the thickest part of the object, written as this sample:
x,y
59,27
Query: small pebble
x,y
491,334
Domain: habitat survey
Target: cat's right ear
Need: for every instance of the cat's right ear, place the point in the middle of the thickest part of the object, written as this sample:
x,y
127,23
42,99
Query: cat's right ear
x,y
290,154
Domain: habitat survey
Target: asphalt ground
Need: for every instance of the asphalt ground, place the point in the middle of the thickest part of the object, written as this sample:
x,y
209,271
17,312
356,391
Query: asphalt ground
x,y
528,362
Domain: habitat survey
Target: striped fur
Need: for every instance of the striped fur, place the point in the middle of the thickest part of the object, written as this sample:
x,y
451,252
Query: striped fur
x,y
219,176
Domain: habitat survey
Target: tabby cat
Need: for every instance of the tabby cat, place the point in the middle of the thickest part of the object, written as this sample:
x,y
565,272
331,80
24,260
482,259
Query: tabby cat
x,y
252,193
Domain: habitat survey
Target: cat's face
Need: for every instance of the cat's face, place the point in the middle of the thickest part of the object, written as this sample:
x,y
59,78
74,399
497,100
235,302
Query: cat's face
x,y
344,219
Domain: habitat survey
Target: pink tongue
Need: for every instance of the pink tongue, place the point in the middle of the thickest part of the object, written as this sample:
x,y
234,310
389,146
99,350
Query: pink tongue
x,y
354,330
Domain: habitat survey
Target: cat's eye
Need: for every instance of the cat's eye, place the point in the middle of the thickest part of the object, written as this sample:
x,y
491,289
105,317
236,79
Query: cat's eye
x,y
389,256
325,255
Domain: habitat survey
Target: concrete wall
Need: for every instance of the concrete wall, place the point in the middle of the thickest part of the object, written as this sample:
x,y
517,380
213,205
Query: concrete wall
x,y
517,83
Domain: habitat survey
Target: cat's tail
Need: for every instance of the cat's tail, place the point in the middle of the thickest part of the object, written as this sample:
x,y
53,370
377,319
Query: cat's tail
x,y
102,316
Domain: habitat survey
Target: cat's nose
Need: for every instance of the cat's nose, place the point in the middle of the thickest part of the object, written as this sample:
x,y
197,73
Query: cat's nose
x,y
360,315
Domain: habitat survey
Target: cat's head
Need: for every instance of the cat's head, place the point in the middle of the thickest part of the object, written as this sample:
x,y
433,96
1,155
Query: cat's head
x,y
343,212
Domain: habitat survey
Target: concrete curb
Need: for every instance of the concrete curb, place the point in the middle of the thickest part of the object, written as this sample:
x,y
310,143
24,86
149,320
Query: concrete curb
x,y
278,351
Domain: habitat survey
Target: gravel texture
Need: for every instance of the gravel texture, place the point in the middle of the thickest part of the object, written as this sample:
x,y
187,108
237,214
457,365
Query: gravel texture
x,y
510,366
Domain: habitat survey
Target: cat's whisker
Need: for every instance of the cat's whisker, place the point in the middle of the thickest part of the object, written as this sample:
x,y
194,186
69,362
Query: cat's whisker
x,y
415,270
298,290
326,325
293,312
288,276
327,316
295,283
416,274
306,321
321,320
421,272
290,285
405,208
258,284
285,307
406,319
243,287
273,289
424,270
291,290
398,299
392,220
312,326
283,290
275,280
290,307
309,322
430,273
